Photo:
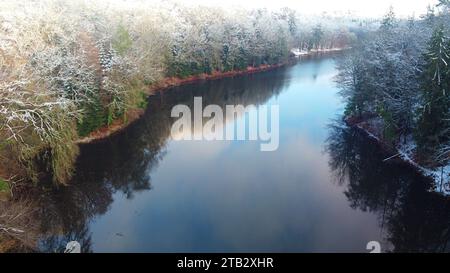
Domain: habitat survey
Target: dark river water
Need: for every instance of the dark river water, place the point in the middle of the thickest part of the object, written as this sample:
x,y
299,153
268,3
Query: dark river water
x,y
326,188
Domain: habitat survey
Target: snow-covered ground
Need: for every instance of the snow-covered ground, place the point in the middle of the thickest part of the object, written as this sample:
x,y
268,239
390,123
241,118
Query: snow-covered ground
x,y
298,52
440,175
406,151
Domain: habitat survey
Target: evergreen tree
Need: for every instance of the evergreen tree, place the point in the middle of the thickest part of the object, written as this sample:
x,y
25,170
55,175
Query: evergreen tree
x,y
444,4
388,22
317,35
430,16
433,121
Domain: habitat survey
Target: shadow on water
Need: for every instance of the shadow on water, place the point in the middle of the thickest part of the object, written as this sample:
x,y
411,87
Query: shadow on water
x,y
412,218
123,163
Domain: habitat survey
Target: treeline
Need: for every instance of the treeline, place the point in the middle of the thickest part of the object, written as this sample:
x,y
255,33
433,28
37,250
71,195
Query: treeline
x,y
68,68
401,74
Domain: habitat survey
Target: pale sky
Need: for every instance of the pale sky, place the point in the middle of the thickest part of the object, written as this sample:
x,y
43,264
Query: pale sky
x,y
371,8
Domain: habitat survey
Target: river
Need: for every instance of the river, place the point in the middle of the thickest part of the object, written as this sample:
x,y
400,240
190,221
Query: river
x,y
325,189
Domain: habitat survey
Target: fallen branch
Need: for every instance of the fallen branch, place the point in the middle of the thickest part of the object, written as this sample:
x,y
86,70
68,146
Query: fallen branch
x,y
391,157
10,229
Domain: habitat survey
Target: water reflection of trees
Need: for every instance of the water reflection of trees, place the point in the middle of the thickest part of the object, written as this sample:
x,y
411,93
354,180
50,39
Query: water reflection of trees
x,y
413,218
124,162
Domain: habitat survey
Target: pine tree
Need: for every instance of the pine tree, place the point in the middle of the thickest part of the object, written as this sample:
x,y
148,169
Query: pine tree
x,y
317,36
430,16
389,20
435,85
444,4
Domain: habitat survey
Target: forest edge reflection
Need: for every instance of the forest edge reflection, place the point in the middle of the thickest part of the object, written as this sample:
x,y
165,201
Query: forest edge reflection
x,y
413,218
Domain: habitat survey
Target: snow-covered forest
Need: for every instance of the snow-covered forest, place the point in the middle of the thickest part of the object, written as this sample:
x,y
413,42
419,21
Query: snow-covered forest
x,y
74,73
396,83
68,68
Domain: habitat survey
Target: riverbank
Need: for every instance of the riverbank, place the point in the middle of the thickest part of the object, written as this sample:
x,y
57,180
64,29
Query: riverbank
x,y
405,151
169,82
299,53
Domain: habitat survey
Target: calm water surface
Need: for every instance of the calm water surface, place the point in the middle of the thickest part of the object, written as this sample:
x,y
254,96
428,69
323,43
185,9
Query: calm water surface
x,y
326,189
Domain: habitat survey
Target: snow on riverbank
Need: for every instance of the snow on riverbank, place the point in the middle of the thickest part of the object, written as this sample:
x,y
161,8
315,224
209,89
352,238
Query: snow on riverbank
x,y
406,151
298,52
440,175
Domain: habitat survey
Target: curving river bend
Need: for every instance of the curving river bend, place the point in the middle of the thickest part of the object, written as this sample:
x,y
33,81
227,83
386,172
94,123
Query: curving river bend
x,y
326,188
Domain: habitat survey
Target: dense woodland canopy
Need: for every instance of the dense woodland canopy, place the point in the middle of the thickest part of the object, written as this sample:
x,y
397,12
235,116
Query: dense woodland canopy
x,y
68,68
400,74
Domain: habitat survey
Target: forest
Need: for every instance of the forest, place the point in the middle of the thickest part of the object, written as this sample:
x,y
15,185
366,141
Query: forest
x,y
396,83
68,68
